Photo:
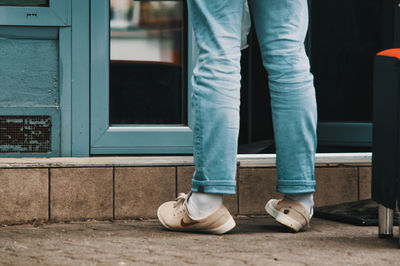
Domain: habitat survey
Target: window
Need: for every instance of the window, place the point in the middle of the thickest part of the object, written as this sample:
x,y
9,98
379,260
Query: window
x,y
24,3
139,89
35,12
147,63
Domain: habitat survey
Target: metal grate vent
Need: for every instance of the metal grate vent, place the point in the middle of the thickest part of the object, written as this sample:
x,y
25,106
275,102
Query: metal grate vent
x,y
25,134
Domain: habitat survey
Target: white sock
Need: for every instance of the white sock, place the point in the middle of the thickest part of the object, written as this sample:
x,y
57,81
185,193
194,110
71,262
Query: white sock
x,y
307,199
201,205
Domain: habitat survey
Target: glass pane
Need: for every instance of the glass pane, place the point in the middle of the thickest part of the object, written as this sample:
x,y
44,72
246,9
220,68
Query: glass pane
x,y
147,62
24,2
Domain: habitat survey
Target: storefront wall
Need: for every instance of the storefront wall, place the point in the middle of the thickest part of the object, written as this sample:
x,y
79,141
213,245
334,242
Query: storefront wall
x,y
35,70
54,66
55,72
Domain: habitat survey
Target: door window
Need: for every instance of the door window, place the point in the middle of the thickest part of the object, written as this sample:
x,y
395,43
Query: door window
x,y
147,63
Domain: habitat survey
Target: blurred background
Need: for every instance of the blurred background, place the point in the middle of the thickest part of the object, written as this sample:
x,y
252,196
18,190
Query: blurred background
x,y
146,31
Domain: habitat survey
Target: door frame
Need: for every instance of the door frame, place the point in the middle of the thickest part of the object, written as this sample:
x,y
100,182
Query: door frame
x,y
126,139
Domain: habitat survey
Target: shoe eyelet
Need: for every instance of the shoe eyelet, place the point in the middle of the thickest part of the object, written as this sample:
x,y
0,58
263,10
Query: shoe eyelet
x,y
286,211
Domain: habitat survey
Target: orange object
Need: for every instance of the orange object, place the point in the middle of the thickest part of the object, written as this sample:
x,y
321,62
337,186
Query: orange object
x,y
391,53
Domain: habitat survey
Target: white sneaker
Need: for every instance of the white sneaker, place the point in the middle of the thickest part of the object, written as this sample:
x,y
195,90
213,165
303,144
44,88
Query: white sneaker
x,y
174,215
289,213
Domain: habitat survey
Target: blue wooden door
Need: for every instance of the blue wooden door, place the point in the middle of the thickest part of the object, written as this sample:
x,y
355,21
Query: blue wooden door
x,y
139,78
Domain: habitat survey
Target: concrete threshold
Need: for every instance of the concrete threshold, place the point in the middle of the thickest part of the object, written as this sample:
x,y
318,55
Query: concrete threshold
x,y
244,160
269,160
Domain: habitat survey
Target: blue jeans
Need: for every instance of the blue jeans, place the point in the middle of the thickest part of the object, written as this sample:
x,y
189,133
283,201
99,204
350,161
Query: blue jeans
x,y
281,27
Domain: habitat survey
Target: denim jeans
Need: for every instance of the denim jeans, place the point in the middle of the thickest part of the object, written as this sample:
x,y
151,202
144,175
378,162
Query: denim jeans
x,y
281,27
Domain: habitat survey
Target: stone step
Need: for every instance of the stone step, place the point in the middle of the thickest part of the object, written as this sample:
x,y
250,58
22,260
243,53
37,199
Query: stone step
x,y
64,189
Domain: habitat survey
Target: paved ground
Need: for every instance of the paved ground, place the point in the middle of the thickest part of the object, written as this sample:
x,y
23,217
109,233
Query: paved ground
x,y
255,241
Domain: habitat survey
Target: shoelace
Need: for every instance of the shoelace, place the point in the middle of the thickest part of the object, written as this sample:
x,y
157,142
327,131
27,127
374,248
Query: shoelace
x,y
180,199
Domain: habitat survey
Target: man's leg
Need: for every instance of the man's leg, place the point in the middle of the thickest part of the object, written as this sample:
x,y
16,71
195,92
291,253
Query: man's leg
x,y
281,26
215,100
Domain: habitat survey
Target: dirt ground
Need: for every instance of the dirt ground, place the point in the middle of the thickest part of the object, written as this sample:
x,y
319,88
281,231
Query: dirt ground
x,y
255,241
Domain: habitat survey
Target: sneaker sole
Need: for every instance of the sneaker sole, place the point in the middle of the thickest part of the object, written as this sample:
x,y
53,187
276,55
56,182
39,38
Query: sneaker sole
x,y
226,227
282,218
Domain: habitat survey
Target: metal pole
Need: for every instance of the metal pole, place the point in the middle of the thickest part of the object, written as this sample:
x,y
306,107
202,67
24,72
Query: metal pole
x,y
385,222
398,219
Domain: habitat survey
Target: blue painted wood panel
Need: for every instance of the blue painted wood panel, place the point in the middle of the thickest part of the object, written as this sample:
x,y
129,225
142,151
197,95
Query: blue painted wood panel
x,y
28,72
58,13
80,78
30,92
